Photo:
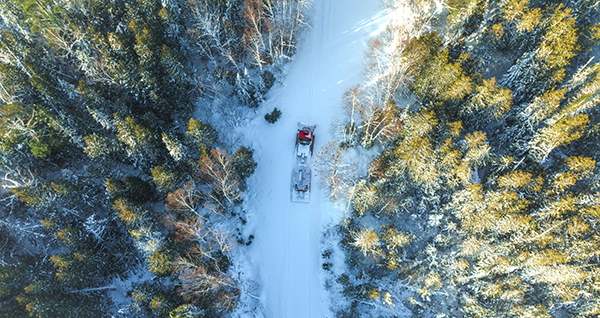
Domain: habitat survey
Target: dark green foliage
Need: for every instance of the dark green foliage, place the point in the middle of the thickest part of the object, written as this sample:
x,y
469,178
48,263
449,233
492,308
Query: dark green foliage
x,y
64,187
153,298
13,279
97,146
268,79
47,298
134,216
160,261
165,178
115,188
273,116
243,161
141,142
442,79
89,258
131,187
203,135
246,90
20,126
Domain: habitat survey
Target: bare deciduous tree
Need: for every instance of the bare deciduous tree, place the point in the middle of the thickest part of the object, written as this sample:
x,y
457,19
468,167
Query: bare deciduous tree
x,y
201,270
253,33
219,169
336,173
185,200
377,120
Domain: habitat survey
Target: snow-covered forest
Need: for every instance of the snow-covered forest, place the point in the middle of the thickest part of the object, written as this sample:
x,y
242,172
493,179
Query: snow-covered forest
x,y
481,198
119,197
146,149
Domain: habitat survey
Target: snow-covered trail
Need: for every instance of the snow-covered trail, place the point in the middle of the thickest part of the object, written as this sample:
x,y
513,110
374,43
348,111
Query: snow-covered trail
x,y
286,252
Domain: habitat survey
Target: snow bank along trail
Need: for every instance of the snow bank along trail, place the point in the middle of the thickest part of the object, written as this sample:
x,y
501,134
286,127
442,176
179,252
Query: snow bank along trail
x,y
286,250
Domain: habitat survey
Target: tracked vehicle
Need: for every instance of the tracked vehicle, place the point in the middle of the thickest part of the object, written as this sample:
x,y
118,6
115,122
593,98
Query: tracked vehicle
x,y
301,173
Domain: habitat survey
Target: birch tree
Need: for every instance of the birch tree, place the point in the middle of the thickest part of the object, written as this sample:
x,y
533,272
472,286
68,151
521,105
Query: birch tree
x,y
220,170
337,174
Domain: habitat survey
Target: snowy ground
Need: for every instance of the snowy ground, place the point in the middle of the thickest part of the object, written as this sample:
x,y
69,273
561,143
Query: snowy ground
x,y
285,254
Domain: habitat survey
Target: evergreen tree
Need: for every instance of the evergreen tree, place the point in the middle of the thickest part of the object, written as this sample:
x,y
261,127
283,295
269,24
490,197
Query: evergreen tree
x,y
461,11
490,101
47,299
203,135
561,133
132,215
21,127
174,146
367,242
13,279
140,143
132,188
165,178
243,161
107,82
443,79
559,44
97,146
540,70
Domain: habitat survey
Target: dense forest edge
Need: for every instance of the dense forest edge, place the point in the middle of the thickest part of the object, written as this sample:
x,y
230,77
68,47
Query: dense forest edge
x,y
482,196
119,198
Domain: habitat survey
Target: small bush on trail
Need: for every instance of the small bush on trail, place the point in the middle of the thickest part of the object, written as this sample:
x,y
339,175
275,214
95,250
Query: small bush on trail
x,y
273,116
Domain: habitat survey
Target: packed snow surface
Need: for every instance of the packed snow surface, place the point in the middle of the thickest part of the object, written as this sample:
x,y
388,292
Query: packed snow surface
x,y
286,250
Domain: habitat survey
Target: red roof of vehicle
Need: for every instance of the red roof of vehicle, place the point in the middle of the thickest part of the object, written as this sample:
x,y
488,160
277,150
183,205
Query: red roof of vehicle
x,y
305,134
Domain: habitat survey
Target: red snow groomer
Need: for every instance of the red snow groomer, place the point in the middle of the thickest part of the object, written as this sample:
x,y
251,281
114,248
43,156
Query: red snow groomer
x,y
304,142
301,171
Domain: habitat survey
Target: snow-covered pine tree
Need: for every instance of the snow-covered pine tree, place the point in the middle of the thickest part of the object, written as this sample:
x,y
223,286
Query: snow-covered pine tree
x,y
560,133
490,101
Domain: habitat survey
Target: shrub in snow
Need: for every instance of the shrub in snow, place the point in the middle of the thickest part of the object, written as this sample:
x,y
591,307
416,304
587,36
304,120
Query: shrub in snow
x,y
273,116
